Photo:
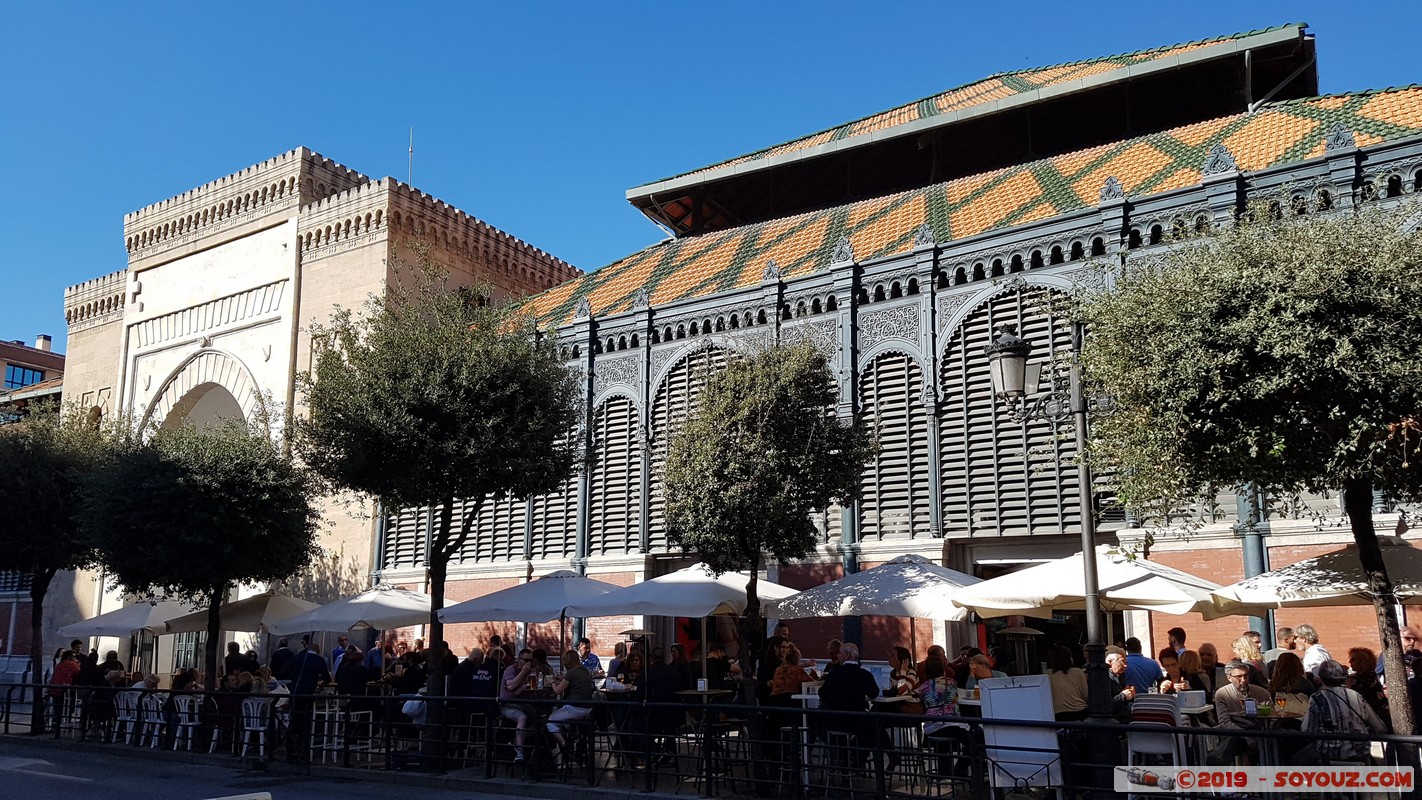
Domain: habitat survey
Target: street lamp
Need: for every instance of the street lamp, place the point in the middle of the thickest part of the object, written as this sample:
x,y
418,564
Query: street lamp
x,y
1007,360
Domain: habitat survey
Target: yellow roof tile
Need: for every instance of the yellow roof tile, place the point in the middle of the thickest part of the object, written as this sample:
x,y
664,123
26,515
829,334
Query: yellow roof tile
x,y
1267,136
995,204
1198,133
1131,167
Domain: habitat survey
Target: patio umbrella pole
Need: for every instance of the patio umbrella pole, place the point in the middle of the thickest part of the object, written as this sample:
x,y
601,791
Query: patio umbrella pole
x,y
913,640
702,648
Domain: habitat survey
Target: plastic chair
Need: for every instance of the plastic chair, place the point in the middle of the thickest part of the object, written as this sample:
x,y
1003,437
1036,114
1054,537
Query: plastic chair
x,y
125,715
1154,711
256,719
151,724
187,707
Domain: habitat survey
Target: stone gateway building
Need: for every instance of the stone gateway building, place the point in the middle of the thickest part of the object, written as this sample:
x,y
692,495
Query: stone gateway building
x,y
210,315
896,243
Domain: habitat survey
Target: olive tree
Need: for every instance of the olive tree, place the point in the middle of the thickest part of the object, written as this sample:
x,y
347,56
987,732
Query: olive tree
x,y
435,397
761,452
45,459
1282,352
190,511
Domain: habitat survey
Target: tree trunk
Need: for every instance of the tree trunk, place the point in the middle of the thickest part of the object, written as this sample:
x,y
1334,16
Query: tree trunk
x,y
214,623
1358,505
439,571
750,637
39,587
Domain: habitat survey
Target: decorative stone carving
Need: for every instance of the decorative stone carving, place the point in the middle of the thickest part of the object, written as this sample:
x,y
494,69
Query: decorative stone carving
x,y
583,309
948,305
924,236
641,300
1339,138
1112,189
660,359
891,323
771,273
843,252
823,335
614,371
1219,160
930,390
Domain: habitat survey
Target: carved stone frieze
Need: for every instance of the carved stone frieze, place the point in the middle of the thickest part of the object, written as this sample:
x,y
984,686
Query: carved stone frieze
x,y
843,252
822,334
891,323
924,236
948,305
583,309
609,372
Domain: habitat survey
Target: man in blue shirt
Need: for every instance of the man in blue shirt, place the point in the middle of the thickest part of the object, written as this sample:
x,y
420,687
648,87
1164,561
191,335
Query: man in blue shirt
x,y
1142,672
589,659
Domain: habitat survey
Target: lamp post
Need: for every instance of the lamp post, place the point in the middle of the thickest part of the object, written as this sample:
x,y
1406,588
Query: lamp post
x,y
1007,359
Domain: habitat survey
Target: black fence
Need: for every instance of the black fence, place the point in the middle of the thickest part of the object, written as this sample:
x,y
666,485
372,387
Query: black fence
x,y
709,749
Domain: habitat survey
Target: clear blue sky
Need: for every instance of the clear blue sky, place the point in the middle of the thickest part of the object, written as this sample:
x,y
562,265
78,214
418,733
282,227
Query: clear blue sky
x,y
535,117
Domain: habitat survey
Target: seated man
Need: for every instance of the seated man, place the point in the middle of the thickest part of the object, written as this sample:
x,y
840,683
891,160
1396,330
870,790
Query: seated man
x,y
1230,711
849,687
980,669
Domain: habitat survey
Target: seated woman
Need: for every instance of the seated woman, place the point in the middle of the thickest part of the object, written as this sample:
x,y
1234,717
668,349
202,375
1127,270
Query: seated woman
x,y
903,673
1068,683
1364,680
939,694
789,678
1192,673
1335,708
575,687
1170,665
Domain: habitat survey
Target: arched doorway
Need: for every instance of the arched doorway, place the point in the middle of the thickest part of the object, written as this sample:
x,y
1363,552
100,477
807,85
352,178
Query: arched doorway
x,y
203,405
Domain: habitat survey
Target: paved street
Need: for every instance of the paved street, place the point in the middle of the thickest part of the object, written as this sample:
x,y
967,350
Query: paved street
x,y
28,771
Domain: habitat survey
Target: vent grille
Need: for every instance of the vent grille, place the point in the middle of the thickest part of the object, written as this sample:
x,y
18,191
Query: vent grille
x,y
1002,477
615,479
674,402
895,484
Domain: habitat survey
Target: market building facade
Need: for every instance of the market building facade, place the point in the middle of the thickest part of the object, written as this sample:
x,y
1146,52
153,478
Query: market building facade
x,y
897,244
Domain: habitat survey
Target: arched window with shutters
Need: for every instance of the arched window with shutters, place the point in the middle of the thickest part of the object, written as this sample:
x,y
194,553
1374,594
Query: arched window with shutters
x,y
615,479
673,403
896,493
1000,476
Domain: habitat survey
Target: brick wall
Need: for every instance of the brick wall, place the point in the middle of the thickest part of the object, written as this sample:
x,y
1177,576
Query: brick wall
x,y
1339,628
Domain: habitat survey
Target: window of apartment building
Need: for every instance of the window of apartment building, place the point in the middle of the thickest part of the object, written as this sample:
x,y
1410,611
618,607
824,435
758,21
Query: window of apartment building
x,y
17,376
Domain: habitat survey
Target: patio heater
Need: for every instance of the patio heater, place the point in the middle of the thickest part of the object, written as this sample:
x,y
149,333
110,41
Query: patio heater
x,y
1007,360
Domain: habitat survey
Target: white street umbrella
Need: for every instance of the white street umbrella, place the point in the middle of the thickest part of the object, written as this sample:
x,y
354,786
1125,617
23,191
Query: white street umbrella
x,y
1123,583
908,586
692,592
383,607
248,614
1332,579
126,621
541,600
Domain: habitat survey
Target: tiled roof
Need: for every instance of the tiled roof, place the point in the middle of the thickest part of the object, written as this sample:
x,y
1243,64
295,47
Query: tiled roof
x,y
993,88
46,386
695,266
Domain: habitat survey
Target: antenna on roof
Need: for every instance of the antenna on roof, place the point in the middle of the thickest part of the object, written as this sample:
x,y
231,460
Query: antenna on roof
x,y
410,175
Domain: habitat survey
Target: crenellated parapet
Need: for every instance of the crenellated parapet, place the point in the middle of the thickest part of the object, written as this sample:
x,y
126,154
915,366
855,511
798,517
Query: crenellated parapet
x,y
278,185
95,301
510,260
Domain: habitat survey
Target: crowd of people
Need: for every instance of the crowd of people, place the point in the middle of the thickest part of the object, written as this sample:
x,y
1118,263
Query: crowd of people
x,y
499,683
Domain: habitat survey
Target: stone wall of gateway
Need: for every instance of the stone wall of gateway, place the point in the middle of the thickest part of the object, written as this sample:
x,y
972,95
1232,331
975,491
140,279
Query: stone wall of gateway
x,y
905,335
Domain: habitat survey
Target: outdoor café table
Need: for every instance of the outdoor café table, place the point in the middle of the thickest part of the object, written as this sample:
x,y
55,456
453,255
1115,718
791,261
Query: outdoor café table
x,y
969,706
1199,717
703,697
1268,745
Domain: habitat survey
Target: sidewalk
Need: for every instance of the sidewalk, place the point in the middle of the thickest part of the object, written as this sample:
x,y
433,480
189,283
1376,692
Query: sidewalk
x,y
467,780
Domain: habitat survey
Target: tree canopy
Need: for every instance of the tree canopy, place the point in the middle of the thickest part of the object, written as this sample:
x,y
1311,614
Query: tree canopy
x,y
761,452
46,458
191,511
1280,352
433,397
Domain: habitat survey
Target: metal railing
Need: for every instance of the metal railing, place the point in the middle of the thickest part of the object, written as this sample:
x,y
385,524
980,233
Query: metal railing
x,y
706,749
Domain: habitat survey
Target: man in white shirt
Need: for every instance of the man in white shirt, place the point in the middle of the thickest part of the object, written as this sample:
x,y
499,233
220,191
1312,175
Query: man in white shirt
x,y
1314,654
